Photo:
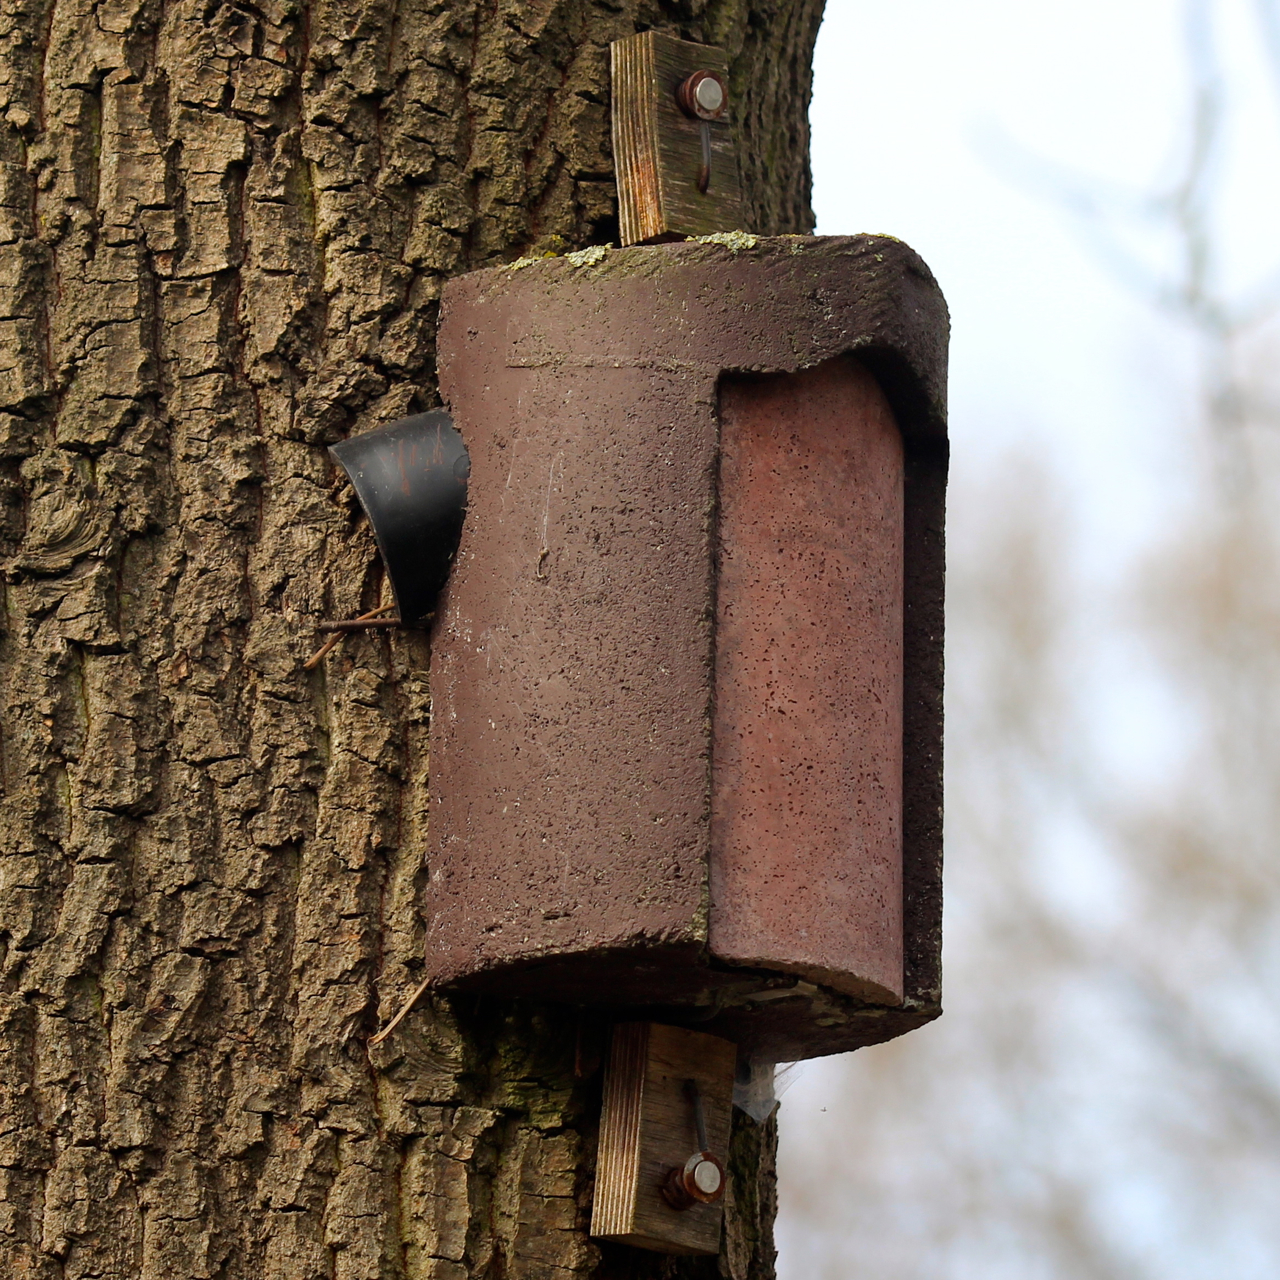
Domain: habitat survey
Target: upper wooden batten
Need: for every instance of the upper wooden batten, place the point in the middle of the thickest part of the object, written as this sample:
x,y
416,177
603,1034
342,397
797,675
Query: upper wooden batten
x,y
658,149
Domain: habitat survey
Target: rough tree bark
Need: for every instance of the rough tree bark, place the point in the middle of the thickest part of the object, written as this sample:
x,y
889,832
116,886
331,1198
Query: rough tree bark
x,y
225,224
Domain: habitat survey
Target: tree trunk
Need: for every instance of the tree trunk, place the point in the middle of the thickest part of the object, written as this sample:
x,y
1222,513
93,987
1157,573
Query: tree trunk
x,y
225,228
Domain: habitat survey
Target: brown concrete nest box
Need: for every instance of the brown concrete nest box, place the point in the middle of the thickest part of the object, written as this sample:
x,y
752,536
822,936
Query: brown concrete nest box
x,y
686,673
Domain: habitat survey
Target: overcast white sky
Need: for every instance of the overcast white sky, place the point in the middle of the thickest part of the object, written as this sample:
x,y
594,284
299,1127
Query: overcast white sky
x,y
928,118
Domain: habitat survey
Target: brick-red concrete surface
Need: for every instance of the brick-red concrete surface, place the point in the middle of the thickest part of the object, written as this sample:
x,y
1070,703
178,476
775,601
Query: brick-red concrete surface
x,y
574,654
806,848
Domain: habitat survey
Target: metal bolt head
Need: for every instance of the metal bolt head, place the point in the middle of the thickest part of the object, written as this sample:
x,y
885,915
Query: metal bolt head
x,y
702,95
707,1177
709,95
700,1180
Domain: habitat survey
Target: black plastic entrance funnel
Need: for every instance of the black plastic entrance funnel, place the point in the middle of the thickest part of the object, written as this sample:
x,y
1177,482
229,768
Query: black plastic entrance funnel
x,y
411,479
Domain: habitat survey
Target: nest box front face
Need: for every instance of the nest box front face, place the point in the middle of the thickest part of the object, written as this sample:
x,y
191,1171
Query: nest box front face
x,y
686,672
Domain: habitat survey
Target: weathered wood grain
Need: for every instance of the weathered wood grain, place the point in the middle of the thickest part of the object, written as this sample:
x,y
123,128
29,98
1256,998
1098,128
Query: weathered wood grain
x,y
647,1128
658,149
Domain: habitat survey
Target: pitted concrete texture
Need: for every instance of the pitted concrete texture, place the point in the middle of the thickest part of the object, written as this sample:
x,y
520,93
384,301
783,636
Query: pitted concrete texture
x,y
806,833
575,654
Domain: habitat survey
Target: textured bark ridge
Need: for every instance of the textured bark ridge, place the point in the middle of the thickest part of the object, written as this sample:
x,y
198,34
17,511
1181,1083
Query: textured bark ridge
x,y
224,231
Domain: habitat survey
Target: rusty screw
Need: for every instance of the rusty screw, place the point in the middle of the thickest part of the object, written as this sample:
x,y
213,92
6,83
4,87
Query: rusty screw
x,y
700,1180
702,95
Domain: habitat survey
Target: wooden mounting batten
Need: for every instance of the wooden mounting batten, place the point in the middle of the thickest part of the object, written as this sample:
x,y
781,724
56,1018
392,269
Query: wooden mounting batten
x,y
646,1128
657,149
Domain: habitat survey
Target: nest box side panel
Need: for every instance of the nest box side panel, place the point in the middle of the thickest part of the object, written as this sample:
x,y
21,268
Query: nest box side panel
x,y
570,668
806,862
